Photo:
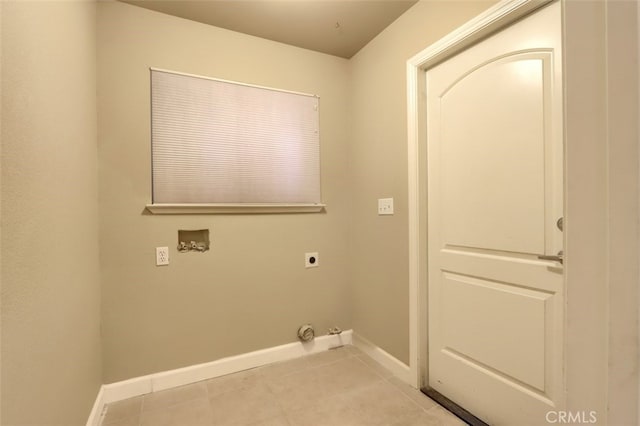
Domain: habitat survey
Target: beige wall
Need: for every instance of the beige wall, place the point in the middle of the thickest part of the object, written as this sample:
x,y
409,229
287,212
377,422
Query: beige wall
x,y
251,290
203,307
1,4
378,154
51,358
622,147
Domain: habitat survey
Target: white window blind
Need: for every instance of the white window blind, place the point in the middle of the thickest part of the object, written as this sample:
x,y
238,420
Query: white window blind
x,y
215,141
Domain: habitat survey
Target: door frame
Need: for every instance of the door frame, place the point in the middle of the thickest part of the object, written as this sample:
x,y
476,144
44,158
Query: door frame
x,y
601,199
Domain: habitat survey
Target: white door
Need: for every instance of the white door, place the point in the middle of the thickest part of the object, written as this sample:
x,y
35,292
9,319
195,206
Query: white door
x,y
495,193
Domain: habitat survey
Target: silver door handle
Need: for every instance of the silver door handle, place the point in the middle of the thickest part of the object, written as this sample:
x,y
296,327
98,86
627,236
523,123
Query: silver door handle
x,y
557,258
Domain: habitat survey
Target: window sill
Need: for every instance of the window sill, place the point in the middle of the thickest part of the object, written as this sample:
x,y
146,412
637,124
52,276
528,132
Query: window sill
x,y
233,208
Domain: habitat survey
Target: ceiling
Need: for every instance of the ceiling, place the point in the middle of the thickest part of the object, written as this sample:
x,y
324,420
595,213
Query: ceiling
x,y
336,27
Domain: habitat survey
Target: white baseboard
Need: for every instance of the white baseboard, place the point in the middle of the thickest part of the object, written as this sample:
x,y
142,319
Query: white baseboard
x,y
391,363
183,376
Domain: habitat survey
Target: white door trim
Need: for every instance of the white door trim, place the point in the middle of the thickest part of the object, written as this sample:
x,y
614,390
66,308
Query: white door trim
x,y
601,224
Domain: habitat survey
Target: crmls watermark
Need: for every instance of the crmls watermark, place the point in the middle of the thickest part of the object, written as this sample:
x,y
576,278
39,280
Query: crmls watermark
x,y
571,417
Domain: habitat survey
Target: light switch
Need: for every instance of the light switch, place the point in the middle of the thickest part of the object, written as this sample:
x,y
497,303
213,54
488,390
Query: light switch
x,y
385,206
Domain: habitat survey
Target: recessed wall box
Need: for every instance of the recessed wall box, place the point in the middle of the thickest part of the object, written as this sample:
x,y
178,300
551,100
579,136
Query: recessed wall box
x,y
193,240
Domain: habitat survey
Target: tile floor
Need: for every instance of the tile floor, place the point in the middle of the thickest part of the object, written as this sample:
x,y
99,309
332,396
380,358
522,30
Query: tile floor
x,y
340,387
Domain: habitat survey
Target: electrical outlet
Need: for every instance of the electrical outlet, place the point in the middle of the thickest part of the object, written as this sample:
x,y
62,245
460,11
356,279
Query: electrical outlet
x,y
385,206
311,260
162,256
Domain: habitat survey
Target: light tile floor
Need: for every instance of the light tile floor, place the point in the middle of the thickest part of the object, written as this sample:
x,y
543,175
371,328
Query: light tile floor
x,y
340,387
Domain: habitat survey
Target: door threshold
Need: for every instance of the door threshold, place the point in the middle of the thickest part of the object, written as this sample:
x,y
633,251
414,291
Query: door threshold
x,y
454,408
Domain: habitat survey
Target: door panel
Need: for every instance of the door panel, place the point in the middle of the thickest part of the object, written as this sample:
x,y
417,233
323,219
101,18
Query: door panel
x,y
494,131
507,94
496,325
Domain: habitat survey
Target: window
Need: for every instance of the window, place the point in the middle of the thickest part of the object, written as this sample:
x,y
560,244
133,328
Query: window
x,y
220,146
